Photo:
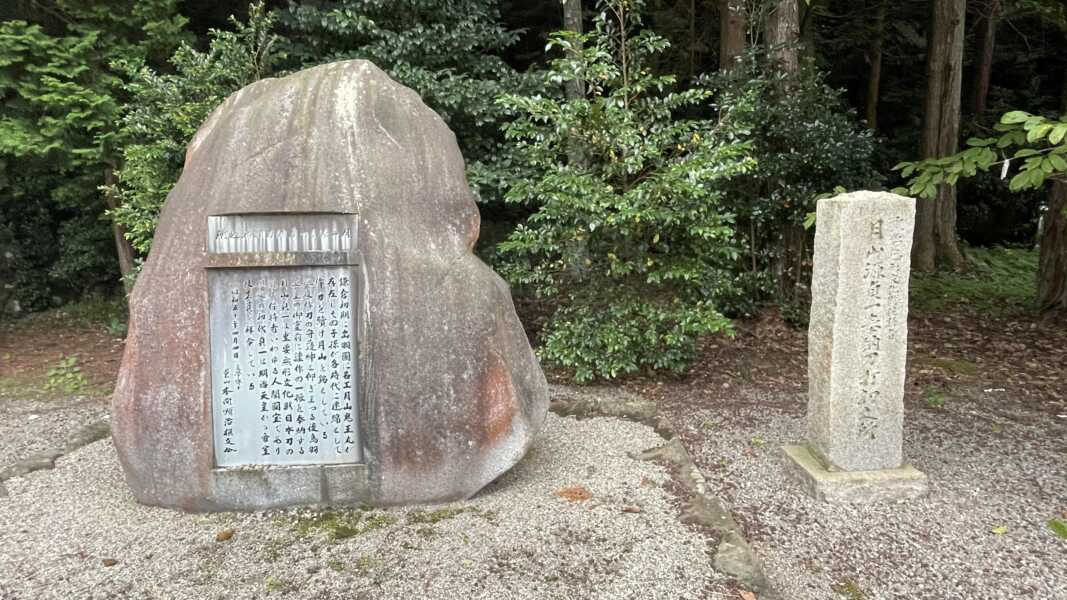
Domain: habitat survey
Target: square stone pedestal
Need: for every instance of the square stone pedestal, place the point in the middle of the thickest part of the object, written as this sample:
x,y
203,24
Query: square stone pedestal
x,y
852,487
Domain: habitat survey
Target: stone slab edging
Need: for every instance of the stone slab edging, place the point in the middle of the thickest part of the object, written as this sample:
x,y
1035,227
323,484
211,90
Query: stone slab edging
x,y
732,554
46,459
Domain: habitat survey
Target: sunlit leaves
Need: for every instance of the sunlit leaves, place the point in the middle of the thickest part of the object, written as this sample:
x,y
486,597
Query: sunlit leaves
x,y
1039,155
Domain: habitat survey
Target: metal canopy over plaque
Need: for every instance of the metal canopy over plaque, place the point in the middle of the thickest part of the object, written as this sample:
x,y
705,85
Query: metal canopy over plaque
x,y
284,369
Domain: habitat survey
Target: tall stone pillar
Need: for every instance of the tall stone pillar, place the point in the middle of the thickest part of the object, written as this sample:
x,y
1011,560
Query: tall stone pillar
x,y
857,350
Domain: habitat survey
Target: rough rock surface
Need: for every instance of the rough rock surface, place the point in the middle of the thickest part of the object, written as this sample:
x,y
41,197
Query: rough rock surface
x,y
451,393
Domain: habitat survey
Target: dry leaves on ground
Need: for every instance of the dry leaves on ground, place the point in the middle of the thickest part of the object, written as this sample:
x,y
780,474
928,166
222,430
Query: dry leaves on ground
x,y
574,493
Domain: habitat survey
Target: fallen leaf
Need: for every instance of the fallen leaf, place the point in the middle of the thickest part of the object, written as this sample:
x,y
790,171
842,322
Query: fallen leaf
x,y
109,562
224,535
574,493
1059,527
1000,530
631,509
747,595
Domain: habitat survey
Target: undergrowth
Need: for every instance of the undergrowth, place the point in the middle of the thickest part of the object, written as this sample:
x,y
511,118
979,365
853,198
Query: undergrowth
x,y
998,281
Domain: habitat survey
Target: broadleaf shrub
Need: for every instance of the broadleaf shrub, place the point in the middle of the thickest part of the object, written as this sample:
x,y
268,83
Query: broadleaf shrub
x,y
628,239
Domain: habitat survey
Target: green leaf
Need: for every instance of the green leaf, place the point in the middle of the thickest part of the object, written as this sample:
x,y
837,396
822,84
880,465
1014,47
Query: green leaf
x,y
1058,163
1038,132
1015,116
1000,530
1059,527
809,220
1057,134
1026,152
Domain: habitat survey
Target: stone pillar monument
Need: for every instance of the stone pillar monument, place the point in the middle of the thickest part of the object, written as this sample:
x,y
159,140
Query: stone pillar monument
x,y
857,349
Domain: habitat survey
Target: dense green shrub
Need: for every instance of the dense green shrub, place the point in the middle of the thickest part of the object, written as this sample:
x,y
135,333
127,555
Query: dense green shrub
x,y
167,109
807,143
629,239
448,52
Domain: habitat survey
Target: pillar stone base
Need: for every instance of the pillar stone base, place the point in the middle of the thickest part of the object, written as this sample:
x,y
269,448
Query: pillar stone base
x,y
852,487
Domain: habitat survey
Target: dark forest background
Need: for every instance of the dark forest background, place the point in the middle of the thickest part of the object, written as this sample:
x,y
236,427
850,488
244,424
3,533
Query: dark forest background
x,y
645,170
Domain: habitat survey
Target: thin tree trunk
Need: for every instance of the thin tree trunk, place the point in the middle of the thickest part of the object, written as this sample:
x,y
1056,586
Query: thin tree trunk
x,y
935,244
807,29
983,67
792,267
783,35
1052,264
572,21
733,25
874,57
123,248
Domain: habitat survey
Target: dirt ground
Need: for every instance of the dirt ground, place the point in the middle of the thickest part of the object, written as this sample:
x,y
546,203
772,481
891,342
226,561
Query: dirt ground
x,y
997,378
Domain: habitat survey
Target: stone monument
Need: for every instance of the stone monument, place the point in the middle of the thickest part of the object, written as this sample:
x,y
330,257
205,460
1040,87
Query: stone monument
x,y
311,325
857,349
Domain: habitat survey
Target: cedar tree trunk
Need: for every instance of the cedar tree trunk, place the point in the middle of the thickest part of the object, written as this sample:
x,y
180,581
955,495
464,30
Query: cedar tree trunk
x,y
935,245
733,21
1052,265
983,66
874,58
793,265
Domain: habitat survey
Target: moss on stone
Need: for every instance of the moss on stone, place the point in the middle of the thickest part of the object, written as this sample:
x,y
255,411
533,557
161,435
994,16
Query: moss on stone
x,y
342,524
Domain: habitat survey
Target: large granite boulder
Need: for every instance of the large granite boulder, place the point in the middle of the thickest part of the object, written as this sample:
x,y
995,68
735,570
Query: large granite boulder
x,y
450,394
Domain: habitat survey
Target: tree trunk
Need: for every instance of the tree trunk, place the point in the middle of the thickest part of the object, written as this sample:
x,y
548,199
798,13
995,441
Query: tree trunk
x,y
793,265
807,29
874,57
783,34
572,21
1052,264
1052,261
733,21
123,248
935,245
983,67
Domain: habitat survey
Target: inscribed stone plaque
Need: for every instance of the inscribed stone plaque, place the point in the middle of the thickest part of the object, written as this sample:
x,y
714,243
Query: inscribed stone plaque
x,y
857,335
283,369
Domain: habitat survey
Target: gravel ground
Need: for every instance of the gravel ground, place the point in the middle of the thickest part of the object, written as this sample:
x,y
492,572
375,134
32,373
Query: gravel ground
x,y
998,474
31,426
60,529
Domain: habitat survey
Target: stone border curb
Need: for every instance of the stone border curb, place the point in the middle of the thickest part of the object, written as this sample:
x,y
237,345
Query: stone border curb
x,y
733,555
46,459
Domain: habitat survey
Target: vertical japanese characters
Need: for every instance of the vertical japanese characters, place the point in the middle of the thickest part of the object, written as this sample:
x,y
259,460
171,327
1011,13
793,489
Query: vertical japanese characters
x,y
287,390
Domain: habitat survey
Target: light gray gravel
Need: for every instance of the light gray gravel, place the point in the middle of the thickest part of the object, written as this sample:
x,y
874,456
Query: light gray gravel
x,y
30,426
516,539
991,465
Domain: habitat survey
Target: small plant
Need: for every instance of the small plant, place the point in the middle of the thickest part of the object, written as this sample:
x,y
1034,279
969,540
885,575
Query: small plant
x,y
66,376
276,584
1059,527
935,398
849,589
117,327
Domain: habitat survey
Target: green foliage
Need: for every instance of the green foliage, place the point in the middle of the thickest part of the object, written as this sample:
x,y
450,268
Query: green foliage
x,y
58,131
448,52
628,237
807,145
934,397
166,109
1000,280
66,376
1039,143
